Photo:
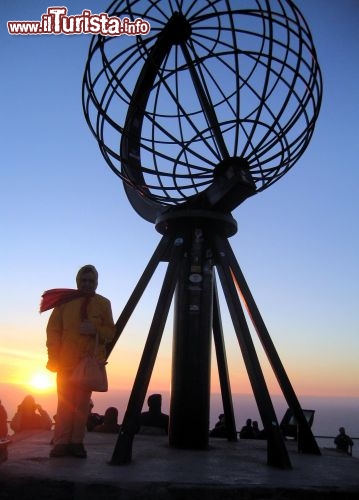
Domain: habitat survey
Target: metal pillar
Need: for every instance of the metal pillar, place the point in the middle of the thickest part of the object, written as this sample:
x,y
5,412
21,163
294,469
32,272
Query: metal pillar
x,y
122,453
306,440
277,454
190,388
224,381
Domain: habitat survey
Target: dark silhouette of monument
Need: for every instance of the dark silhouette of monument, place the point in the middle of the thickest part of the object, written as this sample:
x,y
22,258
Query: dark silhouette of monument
x,y
213,106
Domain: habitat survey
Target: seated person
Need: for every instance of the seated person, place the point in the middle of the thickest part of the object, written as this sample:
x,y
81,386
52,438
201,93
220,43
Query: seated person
x,y
343,442
29,416
93,418
247,430
154,421
109,424
219,429
257,433
3,422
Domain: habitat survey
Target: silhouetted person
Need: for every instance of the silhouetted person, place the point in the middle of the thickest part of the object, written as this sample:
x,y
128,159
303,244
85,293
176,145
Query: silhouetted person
x,y
4,440
93,419
109,424
154,421
3,422
257,433
219,429
255,429
247,430
343,442
30,416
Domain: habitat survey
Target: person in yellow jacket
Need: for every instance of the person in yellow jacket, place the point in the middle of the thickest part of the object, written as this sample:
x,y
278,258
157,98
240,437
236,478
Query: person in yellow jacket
x,y
78,317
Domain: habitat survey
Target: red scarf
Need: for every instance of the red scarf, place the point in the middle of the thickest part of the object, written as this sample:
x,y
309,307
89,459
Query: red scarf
x,y
58,296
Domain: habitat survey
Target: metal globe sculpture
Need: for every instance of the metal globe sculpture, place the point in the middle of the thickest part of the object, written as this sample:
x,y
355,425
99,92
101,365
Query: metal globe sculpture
x,y
211,106
214,83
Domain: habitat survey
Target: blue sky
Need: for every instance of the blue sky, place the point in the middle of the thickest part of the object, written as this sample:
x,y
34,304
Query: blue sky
x,y
62,207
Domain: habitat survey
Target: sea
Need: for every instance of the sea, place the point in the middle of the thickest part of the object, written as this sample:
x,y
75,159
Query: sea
x,y
330,412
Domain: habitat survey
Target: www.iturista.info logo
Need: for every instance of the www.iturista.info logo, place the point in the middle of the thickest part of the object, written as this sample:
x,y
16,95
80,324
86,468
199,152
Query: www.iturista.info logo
x,y
57,22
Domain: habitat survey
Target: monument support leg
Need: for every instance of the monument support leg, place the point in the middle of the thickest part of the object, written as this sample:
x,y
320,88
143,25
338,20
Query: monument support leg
x,y
306,440
277,454
191,362
157,257
122,453
224,381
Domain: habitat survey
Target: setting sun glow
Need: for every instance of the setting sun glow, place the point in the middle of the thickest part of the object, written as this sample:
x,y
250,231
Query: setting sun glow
x,y
41,382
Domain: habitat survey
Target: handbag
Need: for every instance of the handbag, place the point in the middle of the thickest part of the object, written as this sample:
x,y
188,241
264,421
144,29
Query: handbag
x,y
90,373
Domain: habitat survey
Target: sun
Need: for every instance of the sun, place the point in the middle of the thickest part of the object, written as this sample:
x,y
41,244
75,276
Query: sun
x,y
41,382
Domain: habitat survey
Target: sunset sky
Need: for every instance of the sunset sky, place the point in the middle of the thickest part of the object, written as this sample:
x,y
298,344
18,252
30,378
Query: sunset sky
x,y
62,207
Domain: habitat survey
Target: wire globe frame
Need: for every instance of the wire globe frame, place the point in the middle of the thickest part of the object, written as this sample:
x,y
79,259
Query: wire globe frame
x,y
240,79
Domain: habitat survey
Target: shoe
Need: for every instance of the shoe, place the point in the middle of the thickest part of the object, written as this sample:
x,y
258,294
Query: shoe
x,y
59,450
78,450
